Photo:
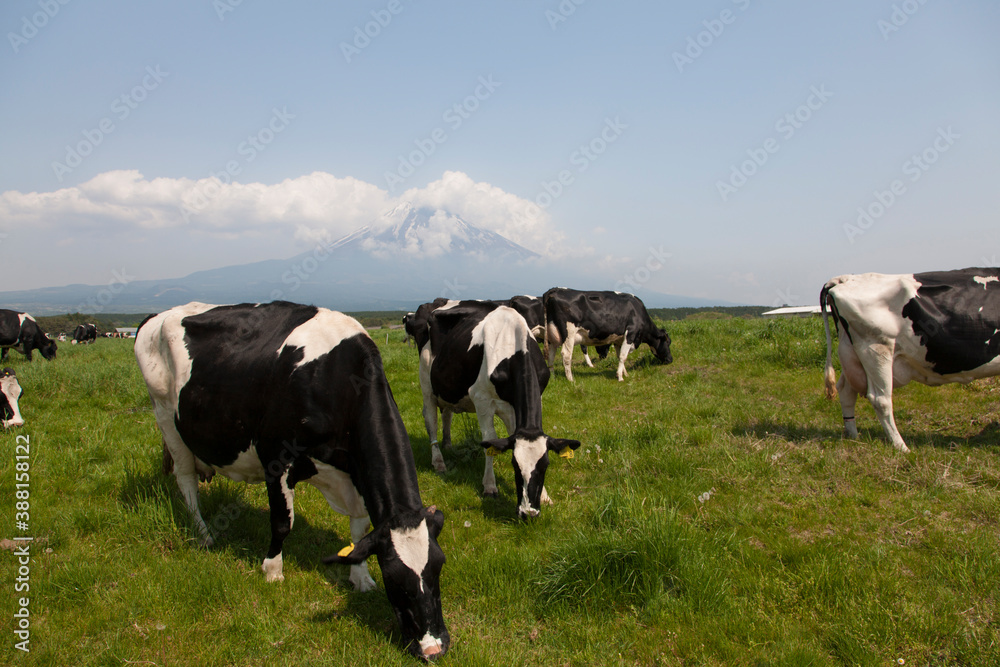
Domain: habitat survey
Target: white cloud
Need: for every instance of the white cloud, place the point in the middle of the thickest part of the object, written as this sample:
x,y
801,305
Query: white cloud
x,y
489,207
313,207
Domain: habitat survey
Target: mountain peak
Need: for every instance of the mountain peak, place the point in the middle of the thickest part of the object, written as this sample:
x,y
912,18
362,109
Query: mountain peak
x,y
424,232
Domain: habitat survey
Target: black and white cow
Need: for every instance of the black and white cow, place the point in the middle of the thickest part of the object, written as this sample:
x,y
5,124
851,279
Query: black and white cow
x,y
10,392
85,333
406,327
282,393
482,358
20,332
933,328
574,317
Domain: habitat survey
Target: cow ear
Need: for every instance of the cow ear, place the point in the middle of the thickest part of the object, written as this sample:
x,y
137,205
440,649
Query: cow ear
x,y
497,445
355,553
435,521
564,446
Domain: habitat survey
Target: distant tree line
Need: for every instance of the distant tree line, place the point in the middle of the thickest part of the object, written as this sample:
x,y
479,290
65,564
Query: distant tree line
x,y
709,313
106,322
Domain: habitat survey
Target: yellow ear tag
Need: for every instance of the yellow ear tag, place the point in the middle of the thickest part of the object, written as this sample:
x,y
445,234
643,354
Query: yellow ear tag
x,y
492,451
346,551
567,452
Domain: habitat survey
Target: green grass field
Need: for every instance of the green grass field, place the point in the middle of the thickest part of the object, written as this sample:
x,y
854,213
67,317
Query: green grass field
x,y
712,516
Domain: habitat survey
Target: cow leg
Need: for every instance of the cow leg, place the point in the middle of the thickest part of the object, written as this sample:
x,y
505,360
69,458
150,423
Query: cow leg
x,y
360,579
623,351
430,423
186,474
848,400
586,357
877,362
551,341
489,433
430,409
567,351
281,499
343,498
446,415
853,381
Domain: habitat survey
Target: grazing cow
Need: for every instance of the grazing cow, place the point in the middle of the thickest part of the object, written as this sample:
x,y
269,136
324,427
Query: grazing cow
x,y
406,327
20,332
933,328
600,318
282,393
10,392
85,333
482,358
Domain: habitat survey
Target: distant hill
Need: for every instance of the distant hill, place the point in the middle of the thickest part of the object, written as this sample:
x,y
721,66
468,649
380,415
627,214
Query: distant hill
x,y
406,257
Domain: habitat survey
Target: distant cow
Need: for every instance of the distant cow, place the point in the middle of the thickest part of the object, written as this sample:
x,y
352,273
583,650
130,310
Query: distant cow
x,y
10,392
85,333
574,318
482,358
282,393
20,332
933,328
406,328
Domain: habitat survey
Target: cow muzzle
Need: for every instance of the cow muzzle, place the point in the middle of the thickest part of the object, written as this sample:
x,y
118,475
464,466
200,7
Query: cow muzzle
x,y
527,512
431,649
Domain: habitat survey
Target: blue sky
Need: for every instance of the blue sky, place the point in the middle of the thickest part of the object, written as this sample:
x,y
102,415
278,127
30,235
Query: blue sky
x,y
740,138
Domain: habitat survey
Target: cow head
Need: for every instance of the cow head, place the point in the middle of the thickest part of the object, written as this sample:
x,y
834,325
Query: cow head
x,y
659,342
48,349
530,459
10,391
411,561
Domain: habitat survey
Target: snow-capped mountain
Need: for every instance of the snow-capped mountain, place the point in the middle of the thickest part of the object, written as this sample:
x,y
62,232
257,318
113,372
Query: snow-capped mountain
x,y
406,257
427,233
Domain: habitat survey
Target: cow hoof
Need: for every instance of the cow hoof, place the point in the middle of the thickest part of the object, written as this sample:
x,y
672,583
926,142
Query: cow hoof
x,y
362,583
272,569
439,466
206,541
491,494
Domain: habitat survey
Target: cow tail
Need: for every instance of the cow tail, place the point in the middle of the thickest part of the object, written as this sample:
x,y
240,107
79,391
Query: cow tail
x,y
830,377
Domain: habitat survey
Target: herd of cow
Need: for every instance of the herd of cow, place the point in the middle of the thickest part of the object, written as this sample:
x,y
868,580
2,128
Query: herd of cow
x,y
282,393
